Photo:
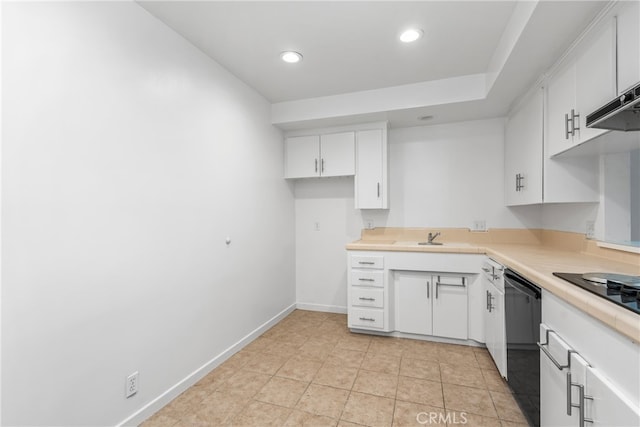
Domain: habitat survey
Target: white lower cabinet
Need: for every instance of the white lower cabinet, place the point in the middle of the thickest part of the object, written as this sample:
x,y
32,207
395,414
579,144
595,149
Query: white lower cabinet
x,y
425,294
589,373
431,304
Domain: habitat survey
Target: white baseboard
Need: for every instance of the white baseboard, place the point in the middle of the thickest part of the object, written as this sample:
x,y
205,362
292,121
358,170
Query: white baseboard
x,y
159,402
321,307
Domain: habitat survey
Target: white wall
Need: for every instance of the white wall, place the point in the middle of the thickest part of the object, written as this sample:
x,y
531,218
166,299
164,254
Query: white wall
x,y
441,176
128,157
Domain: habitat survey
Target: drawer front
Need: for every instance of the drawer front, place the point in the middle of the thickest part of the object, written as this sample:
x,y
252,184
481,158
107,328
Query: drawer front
x,y
359,261
366,318
367,278
367,297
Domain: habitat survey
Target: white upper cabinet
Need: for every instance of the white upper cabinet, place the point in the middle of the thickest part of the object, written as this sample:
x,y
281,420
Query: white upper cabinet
x,y
584,83
337,154
371,170
324,155
628,28
302,154
524,153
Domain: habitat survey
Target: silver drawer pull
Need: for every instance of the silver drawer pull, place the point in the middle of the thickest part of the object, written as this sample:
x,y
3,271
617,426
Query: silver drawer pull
x,y
366,299
543,347
438,283
366,262
581,400
485,269
364,279
368,319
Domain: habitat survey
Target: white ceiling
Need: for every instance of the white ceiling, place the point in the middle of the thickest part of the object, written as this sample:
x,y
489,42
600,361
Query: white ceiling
x,y
350,47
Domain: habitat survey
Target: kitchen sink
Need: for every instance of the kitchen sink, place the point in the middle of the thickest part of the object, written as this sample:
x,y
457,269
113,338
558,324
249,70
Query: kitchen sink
x,y
430,243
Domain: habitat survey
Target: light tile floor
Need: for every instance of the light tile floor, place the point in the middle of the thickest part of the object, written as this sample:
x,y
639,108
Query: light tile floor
x,y
309,370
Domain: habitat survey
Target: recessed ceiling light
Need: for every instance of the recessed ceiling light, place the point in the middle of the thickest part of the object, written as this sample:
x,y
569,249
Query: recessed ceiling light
x,y
291,57
411,35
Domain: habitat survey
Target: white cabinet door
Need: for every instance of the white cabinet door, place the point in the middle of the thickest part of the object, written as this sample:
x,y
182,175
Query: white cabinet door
x,y
371,183
561,92
595,78
302,156
606,405
496,333
337,154
628,45
450,309
413,302
523,153
555,393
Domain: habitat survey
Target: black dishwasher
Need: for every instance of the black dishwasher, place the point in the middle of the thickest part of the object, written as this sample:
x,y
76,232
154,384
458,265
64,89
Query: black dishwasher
x,y
522,317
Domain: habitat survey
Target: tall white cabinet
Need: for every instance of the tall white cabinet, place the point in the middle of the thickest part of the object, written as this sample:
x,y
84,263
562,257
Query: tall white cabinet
x,y
371,184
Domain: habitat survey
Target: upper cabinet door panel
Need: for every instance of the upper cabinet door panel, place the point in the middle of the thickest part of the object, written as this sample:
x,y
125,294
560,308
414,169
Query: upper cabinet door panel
x,y
595,77
302,156
337,153
561,91
370,181
523,153
628,39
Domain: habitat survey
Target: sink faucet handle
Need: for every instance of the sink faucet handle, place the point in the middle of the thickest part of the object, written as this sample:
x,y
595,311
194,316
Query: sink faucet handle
x,y
432,236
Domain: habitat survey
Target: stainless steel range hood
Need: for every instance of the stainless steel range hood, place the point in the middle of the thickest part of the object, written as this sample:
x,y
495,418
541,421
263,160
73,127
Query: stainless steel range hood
x,y
623,113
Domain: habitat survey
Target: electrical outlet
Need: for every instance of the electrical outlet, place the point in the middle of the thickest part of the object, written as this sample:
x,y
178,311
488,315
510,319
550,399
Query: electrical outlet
x,y
132,384
591,230
479,225
368,223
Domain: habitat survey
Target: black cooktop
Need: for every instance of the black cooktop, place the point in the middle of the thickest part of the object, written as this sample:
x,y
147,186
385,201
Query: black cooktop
x,y
625,296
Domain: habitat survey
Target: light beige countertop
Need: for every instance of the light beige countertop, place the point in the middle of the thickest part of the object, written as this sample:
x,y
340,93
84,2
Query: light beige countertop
x,y
535,254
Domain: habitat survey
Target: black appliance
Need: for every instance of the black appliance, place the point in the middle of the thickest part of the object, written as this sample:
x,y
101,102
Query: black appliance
x,y
621,291
622,113
523,311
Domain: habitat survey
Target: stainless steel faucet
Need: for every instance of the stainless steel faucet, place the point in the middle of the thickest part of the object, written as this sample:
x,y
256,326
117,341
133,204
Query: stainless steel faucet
x,y
431,237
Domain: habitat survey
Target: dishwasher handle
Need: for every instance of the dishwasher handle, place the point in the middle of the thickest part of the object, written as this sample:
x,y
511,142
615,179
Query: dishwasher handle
x,y
521,284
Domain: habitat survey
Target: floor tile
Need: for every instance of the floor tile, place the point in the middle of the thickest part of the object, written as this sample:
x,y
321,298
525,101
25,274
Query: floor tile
x,y
282,391
457,355
468,399
264,363
369,410
305,419
416,368
310,370
423,350
387,345
479,420
262,414
244,384
507,407
376,383
299,368
160,420
420,391
379,362
336,376
355,342
462,375
494,381
348,358
484,359
217,409
409,414
316,349
322,400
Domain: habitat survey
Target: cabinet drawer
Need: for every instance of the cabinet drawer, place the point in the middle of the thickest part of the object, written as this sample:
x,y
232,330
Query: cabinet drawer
x,y
367,297
367,278
358,261
366,318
